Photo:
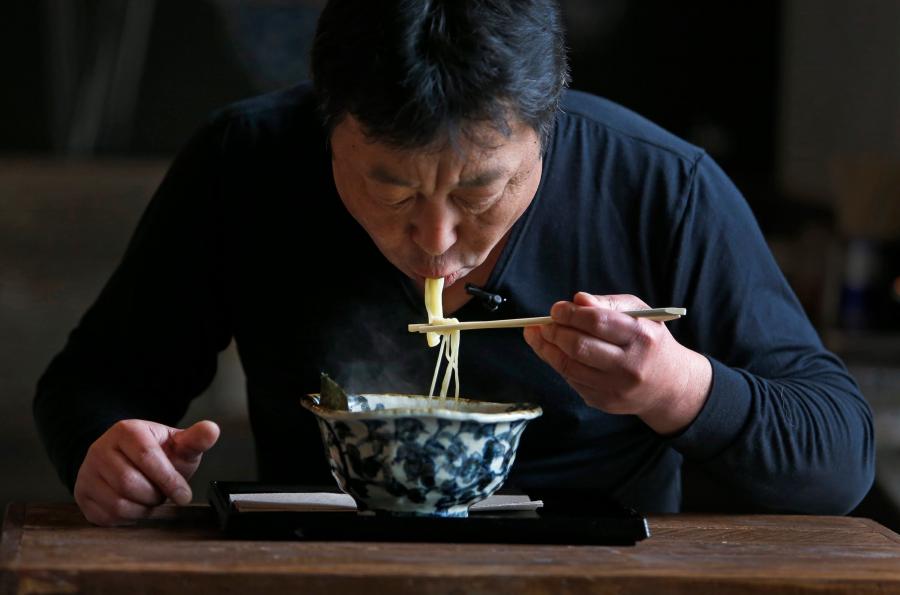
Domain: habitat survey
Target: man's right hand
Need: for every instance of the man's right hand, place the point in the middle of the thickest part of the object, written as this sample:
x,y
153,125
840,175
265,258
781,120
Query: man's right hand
x,y
135,465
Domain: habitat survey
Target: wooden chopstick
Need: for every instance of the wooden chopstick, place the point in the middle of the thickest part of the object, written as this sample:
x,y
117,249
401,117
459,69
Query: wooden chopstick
x,y
658,314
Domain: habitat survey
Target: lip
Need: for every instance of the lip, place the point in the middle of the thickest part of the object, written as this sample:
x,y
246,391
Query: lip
x,y
449,278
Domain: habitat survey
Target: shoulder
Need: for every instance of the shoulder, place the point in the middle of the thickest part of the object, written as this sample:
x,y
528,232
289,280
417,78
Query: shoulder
x,y
612,128
604,155
615,166
270,120
296,100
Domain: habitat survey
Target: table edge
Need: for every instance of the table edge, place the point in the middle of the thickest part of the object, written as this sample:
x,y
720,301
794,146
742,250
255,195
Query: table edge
x,y
880,529
13,524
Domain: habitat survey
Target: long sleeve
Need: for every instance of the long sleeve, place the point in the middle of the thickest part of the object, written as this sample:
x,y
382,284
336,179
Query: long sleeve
x,y
784,422
148,345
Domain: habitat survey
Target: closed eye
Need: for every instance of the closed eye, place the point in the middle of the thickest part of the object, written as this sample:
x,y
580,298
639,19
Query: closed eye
x,y
476,205
479,204
399,204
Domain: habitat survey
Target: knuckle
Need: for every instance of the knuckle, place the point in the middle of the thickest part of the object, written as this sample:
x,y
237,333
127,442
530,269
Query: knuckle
x,y
94,513
635,373
146,453
637,334
149,458
581,349
130,482
599,320
643,337
83,485
125,425
92,451
641,376
169,481
128,430
120,509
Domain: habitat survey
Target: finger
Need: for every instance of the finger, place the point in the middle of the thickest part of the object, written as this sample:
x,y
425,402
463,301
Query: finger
x,y
94,513
610,326
118,508
527,333
102,508
569,368
620,302
532,336
582,347
535,340
148,456
125,480
609,401
598,391
190,444
548,352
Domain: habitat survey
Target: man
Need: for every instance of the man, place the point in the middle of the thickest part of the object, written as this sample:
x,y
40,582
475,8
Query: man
x,y
437,141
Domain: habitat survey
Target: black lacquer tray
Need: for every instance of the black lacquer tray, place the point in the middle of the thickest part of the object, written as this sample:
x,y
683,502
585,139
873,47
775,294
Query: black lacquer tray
x,y
571,517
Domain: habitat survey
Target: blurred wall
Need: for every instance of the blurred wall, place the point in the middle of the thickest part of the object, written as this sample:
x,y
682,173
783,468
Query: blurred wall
x,y
841,90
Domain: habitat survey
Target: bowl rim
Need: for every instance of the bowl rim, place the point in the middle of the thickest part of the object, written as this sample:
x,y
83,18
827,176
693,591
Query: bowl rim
x,y
527,411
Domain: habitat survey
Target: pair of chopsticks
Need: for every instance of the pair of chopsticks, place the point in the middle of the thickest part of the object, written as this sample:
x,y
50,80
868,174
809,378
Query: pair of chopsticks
x,y
658,314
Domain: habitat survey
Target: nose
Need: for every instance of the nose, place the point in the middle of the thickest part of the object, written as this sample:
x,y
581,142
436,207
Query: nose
x,y
434,227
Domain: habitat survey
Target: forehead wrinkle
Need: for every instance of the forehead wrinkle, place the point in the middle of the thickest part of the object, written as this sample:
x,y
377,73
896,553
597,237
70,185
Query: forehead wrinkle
x,y
382,174
408,169
442,166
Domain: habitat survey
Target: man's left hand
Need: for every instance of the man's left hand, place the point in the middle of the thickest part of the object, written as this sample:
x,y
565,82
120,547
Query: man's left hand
x,y
623,365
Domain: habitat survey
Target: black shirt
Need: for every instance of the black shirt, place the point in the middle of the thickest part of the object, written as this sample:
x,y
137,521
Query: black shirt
x,y
247,238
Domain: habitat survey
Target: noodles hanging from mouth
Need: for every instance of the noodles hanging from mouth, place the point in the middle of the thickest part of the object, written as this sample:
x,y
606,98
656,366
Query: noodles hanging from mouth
x,y
448,340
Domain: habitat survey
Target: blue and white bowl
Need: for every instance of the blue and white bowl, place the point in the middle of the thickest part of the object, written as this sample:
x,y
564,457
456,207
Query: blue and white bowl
x,y
422,456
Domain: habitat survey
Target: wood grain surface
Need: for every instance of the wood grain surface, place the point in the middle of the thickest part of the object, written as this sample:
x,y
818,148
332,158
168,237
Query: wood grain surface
x,y
52,549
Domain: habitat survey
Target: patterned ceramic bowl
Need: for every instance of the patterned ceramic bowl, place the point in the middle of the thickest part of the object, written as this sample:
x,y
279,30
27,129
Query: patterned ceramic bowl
x,y
414,455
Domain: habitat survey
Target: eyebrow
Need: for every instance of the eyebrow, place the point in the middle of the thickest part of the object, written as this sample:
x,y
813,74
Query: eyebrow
x,y
484,178
381,174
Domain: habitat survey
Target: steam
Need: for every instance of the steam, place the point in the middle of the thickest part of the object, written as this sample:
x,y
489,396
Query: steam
x,y
375,354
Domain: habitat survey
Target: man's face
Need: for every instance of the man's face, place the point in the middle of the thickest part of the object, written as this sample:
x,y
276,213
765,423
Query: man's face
x,y
437,212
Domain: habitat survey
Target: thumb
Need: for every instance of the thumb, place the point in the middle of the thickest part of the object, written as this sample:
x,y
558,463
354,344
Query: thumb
x,y
609,302
189,444
582,298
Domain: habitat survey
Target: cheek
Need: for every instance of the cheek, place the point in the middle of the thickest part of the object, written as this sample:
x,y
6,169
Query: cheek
x,y
344,186
491,226
353,194
480,235
385,228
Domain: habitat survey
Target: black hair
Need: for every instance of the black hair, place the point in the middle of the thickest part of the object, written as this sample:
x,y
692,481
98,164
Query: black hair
x,y
415,71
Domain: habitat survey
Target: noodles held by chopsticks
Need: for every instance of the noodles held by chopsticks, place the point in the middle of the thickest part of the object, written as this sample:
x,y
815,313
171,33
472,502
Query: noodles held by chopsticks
x,y
448,340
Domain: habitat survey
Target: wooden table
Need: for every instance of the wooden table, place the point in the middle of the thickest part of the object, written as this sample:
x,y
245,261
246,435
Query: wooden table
x,y
52,549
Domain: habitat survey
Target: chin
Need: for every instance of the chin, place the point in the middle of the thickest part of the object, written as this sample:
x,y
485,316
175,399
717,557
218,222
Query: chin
x,y
459,275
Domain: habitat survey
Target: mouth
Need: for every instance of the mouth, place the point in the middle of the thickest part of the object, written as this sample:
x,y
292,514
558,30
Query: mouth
x,y
449,277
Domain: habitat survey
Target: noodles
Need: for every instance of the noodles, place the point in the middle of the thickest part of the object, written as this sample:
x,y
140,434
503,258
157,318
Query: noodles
x,y
449,340
434,305
449,351
437,369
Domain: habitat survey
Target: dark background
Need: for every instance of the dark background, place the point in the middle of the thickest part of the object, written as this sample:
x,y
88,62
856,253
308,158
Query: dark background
x,y
799,101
